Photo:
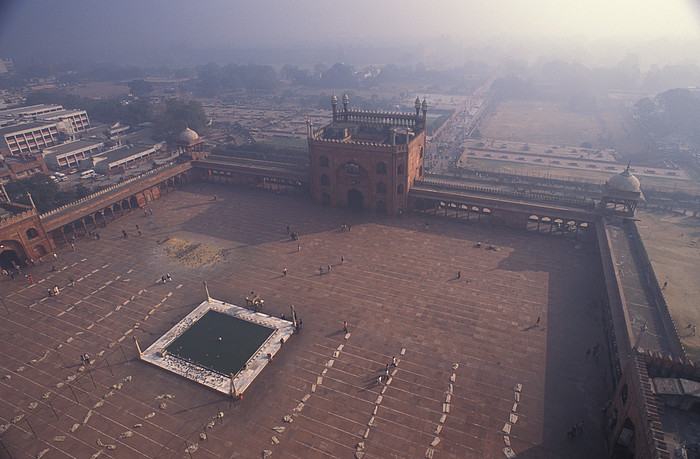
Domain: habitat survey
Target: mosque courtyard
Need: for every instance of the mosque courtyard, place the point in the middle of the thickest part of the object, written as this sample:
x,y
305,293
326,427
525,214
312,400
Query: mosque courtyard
x,y
489,364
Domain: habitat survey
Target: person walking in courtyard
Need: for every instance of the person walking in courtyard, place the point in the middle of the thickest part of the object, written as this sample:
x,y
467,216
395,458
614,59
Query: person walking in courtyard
x,y
31,279
298,247
287,229
284,272
459,274
329,268
124,235
345,326
665,284
538,320
320,270
342,260
55,256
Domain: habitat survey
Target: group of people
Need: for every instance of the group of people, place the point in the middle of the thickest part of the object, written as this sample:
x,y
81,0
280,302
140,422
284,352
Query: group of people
x,y
53,291
166,278
385,377
85,358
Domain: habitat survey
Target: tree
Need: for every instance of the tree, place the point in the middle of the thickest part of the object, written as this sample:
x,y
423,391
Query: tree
x,y
41,187
140,87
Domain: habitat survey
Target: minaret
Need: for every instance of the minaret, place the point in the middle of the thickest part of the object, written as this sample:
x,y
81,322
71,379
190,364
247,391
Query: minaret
x,y
424,107
346,99
417,106
334,103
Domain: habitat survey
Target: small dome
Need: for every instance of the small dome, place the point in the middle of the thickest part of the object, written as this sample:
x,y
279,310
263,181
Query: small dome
x,y
624,181
334,100
188,135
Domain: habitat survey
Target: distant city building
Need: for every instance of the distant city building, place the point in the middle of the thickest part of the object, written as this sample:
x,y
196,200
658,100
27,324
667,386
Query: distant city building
x,y
70,153
29,137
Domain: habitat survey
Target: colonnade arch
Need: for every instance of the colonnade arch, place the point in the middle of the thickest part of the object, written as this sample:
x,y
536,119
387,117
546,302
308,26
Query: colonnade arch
x,y
111,212
276,183
458,210
555,225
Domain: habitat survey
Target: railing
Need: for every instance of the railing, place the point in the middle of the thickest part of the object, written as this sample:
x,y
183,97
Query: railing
x,y
107,190
501,193
659,299
17,217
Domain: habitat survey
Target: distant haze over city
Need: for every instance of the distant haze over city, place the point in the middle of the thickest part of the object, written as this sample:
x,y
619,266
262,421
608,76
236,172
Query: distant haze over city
x,y
181,33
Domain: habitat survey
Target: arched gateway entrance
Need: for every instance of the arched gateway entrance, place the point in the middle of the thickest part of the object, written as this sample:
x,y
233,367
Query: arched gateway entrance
x,y
355,199
10,251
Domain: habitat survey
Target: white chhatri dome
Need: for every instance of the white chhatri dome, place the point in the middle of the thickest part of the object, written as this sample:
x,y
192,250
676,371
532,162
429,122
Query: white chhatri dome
x,y
624,181
188,135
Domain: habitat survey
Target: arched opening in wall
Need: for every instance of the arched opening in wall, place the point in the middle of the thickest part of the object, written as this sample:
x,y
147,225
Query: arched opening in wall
x,y
326,199
420,172
11,251
68,233
32,233
546,224
117,211
108,215
133,202
126,208
381,168
583,227
39,251
149,196
100,220
7,257
571,227
79,227
421,152
183,178
400,169
355,199
381,208
533,223
399,189
57,236
624,446
485,215
89,223
325,181
559,225
323,161
381,188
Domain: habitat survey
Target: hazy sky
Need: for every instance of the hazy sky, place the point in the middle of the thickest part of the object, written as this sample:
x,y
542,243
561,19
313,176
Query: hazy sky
x,y
77,27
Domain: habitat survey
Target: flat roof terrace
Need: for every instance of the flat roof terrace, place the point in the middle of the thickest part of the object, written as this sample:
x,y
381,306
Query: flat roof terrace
x,y
474,366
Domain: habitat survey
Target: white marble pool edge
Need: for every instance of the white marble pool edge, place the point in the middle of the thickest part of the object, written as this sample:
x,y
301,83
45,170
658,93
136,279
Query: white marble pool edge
x,y
283,329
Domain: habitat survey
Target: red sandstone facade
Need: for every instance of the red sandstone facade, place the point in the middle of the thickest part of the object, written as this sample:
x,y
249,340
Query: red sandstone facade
x,y
367,160
22,235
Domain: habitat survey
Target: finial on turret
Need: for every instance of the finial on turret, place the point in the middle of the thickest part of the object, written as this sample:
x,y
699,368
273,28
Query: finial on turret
x,y
334,100
425,105
346,99
417,105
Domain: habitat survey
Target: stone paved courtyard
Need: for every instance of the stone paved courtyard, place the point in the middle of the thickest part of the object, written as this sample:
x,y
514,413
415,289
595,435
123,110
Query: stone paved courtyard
x,y
467,349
